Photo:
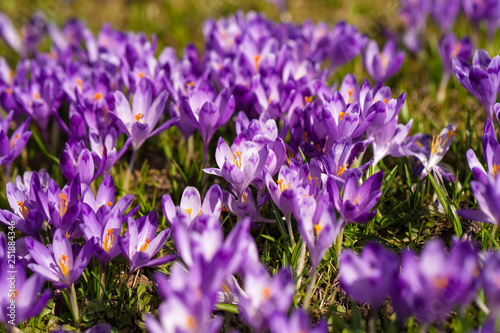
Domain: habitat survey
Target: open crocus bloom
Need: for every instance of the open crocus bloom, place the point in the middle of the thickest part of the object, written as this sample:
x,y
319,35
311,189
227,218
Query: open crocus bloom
x,y
59,266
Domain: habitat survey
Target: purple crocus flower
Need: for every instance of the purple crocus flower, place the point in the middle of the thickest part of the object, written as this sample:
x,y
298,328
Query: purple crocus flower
x,y
249,207
346,42
318,226
414,16
77,159
338,161
240,164
369,277
432,285
487,193
490,275
206,110
57,265
28,302
191,206
390,140
140,242
139,121
450,48
491,152
265,296
431,153
298,322
482,79
11,148
445,13
356,201
382,65
484,10
104,151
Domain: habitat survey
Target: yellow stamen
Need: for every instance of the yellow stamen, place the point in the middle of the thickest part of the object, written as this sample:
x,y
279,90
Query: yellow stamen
x,y
266,293
225,289
280,183
237,161
386,101
107,241
145,245
495,170
13,140
22,209
244,197
63,206
138,116
310,178
317,229
189,210
341,170
68,235
64,264
441,282
342,114
308,99
356,201
349,91
256,60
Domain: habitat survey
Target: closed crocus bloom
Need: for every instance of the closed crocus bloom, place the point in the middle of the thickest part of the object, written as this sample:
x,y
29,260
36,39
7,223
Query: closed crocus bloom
x,y
445,13
318,226
487,194
490,277
491,153
391,141
431,285
370,276
356,201
413,15
346,42
382,65
59,266
77,159
338,161
450,48
240,164
11,148
482,79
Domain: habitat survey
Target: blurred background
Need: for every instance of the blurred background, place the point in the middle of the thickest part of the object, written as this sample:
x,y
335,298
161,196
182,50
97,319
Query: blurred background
x,y
177,22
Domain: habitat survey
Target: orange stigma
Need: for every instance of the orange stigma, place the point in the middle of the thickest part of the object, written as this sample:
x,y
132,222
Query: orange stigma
x,y
22,209
341,170
63,206
13,140
64,264
190,84
266,293
495,170
349,91
138,116
140,75
317,229
308,99
356,201
256,60
107,241
189,210
145,245
98,96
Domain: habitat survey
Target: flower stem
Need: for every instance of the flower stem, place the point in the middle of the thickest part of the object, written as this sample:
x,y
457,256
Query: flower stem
x,y
338,244
73,304
128,174
307,298
301,263
290,230
441,95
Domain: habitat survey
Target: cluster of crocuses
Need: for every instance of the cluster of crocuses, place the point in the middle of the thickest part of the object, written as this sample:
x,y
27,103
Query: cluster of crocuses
x,y
300,144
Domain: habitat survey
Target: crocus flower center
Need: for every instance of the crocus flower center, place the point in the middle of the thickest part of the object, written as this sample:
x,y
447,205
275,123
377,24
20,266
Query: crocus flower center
x,y
138,116
317,229
9,91
308,99
140,75
98,96
237,161
225,289
110,204
342,114
386,101
145,245
256,60
349,92
63,206
266,293
79,84
191,323
305,136
244,197
384,60
108,240
190,84
36,95
68,235
441,282
64,264
456,50
495,170
341,170
437,142
13,140
189,210
356,201
22,209
282,185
